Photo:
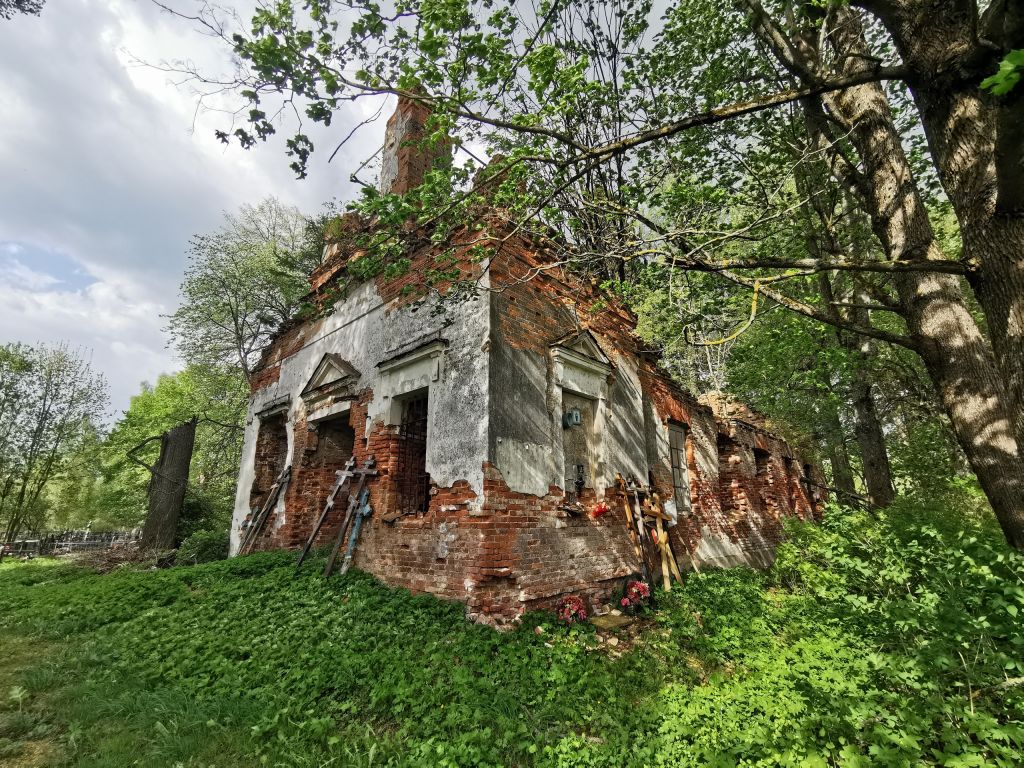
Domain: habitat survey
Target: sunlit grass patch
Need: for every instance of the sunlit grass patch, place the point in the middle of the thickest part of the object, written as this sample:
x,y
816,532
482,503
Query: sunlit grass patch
x,y
873,641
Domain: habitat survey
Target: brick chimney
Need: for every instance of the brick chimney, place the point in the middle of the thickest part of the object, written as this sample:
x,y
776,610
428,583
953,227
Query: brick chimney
x,y
406,160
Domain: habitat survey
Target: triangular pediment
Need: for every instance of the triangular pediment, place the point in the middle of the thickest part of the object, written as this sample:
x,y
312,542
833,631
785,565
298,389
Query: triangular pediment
x,y
583,343
331,371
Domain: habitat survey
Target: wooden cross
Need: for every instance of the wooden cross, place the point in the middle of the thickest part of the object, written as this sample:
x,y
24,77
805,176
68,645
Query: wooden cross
x,y
668,560
367,471
341,478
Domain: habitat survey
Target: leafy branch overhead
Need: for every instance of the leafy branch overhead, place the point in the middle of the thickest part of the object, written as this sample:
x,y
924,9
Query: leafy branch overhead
x,y
813,151
1009,74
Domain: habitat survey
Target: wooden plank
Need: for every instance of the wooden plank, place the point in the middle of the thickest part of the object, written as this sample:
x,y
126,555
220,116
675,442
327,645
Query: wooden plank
x,y
665,542
666,580
362,512
264,513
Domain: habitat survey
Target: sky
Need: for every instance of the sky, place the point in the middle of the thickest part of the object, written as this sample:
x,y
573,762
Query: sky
x,y
106,172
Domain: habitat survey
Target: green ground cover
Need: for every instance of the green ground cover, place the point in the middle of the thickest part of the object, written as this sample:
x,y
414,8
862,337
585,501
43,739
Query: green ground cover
x,y
890,641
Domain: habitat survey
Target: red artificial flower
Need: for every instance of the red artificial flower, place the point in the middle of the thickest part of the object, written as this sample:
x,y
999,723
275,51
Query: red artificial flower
x,y
571,609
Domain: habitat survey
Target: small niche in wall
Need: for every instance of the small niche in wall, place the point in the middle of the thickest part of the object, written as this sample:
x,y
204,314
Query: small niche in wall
x,y
762,461
579,443
572,418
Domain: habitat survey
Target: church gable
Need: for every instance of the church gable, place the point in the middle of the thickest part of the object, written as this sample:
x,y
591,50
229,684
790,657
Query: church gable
x,y
331,373
583,344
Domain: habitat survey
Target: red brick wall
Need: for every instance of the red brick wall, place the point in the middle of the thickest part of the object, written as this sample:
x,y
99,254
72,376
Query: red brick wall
x,y
271,451
730,499
508,551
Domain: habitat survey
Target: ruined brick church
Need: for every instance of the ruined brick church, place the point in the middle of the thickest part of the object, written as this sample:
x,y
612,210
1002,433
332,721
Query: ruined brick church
x,y
497,426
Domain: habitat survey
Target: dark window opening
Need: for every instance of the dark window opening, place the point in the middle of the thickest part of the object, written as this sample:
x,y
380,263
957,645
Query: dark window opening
x,y
809,486
791,476
271,451
329,448
335,440
678,434
761,461
412,483
762,469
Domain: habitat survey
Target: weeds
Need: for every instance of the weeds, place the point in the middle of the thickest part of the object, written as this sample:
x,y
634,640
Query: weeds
x,y
890,641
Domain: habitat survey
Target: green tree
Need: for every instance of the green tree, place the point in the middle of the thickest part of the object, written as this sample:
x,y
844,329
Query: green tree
x,y
217,397
243,283
51,402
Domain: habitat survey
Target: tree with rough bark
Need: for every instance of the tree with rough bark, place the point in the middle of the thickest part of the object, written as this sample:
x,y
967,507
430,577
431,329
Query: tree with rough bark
x,y
167,486
867,80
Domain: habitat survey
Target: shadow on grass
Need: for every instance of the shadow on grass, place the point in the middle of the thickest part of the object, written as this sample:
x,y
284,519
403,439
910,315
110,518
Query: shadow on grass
x,y
845,654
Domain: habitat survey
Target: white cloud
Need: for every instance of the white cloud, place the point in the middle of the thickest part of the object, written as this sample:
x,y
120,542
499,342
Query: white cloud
x,y
121,333
22,276
99,162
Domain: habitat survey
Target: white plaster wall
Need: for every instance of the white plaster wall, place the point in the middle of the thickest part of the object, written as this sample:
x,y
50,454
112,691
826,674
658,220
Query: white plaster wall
x,y
626,450
365,332
531,467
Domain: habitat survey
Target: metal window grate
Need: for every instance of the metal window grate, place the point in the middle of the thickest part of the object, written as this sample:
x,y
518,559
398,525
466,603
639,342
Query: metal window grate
x,y
680,476
411,479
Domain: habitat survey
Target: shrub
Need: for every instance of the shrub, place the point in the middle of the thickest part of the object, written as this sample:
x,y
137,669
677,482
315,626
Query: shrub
x,y
204,510
203,547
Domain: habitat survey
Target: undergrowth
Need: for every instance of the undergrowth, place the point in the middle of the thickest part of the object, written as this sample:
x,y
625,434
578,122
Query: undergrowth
x,y
889,641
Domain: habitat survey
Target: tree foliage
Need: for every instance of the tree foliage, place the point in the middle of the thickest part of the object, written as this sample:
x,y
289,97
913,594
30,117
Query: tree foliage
x,y
217,398
8,8
243,282
51,405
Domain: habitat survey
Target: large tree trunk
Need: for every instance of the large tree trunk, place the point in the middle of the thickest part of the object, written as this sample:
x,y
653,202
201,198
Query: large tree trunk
x,y
977,143
871,440
999,286
167,486
956,353
868,427
838,456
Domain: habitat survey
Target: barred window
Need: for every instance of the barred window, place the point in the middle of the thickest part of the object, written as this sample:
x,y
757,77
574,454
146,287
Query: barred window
x,y
411,478
677,437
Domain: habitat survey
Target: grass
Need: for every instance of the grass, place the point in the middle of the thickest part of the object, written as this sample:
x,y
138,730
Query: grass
x,y
874,642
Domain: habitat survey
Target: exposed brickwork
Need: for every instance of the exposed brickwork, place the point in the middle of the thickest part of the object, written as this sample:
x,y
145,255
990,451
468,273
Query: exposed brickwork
x,y
288,341
503,551
264,377
405,160
271,449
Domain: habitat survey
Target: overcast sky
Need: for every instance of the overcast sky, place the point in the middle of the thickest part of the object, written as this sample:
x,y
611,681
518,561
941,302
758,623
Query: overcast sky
x,y
105,175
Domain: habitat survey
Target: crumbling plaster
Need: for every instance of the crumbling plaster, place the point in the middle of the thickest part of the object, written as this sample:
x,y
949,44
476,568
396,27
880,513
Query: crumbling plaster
x,y
365,332
526,415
